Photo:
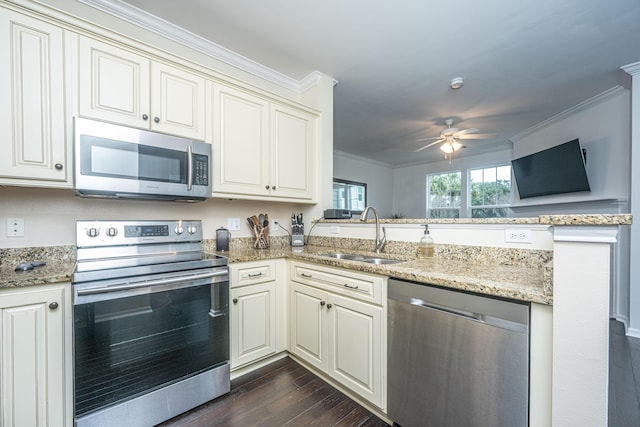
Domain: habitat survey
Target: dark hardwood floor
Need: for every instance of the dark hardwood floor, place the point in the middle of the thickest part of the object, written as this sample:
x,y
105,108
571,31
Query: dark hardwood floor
x,y
624,378
281,394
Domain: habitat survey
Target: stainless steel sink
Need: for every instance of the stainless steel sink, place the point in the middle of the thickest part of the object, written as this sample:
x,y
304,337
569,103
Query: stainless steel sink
x,y
362,258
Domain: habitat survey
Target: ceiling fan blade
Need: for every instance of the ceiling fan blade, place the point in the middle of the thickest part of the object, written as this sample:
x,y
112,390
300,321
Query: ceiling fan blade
x,y
465,132
478,136
427,139
428,145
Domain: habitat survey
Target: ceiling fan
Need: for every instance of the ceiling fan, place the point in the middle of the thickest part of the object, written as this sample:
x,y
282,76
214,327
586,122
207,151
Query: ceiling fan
x,y
449,138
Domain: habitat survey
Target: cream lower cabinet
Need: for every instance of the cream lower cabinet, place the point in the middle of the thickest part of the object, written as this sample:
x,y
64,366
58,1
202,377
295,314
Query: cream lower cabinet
x,y
126,87
256,311
337,325
35,356
262,149
33,148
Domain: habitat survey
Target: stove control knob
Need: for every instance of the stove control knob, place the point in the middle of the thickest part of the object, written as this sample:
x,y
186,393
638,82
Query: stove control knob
x,y
93,232
179,230
192,229
112,231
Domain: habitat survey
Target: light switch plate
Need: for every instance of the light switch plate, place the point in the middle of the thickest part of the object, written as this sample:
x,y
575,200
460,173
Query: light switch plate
x,y
15,227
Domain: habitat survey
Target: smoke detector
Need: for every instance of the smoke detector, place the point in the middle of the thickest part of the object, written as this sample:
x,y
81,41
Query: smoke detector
x,y
456,83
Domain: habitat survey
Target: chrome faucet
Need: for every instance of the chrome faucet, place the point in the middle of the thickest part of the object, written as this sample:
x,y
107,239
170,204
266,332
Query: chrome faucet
x,y
380,242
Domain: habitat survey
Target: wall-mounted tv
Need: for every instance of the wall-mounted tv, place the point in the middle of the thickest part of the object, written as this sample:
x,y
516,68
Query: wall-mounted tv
x,y
556,170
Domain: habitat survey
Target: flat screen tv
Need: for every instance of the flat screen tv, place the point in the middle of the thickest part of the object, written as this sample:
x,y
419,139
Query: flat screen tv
x,y
556,170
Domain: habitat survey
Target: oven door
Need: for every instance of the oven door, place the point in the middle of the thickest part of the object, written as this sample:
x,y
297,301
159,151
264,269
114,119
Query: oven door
x,y
135,337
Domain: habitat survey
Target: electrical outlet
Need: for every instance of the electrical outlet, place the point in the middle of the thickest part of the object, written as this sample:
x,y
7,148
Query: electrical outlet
x,y
233,224
15,227
335,229
517,235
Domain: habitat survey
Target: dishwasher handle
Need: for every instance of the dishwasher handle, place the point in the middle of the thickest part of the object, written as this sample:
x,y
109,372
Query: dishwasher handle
x,y
469,315
462,313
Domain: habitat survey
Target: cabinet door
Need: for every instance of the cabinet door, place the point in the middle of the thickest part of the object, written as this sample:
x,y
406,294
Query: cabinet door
x,y
178,101
293,144
355,346
253,323
32,358
32,107
241,143
308,339
114,84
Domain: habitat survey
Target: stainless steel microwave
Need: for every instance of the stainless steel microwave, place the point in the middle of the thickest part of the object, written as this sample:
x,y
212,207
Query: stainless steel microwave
x,y
123,162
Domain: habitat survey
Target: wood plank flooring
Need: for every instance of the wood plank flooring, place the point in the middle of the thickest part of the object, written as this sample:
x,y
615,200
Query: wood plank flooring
x,y
281,394
624,378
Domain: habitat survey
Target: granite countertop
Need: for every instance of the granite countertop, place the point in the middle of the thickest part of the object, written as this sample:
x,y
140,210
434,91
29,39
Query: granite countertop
x,y
53,272
581,219
519,283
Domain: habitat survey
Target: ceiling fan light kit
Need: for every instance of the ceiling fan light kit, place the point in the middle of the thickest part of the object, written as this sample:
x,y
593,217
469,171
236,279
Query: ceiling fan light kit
x,y
456,83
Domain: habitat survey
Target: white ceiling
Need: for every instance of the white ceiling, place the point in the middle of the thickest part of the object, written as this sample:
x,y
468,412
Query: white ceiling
x,y
522,61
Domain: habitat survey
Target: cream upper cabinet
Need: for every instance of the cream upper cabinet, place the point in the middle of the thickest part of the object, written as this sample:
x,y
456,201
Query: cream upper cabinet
x,y
34,149
35,343
262,149
292,138
241,143
337,324
125,87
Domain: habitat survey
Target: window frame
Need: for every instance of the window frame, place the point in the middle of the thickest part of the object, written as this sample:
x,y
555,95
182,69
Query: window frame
x,y
460,208
351,183
470,207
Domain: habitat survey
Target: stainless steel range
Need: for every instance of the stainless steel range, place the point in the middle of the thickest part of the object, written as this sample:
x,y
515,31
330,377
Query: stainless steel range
x,y
151,324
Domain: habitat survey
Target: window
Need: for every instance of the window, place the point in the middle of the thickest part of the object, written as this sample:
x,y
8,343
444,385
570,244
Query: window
x,y
444,195
490,192
349,195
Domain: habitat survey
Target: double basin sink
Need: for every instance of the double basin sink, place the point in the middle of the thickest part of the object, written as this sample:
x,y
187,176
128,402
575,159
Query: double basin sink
x,y
362,258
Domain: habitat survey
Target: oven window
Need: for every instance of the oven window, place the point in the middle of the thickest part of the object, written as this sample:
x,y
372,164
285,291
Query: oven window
x,y
131,346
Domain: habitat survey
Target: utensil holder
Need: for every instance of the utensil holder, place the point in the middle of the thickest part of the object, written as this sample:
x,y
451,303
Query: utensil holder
x,y
262,239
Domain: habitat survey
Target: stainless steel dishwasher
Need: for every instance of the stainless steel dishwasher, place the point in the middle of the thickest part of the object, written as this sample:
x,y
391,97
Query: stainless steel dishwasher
x,y
456,359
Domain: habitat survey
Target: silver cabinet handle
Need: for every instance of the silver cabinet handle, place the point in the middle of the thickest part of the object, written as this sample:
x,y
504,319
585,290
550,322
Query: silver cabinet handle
x,y
53,305
255,275
306,275
156,119
235,300
145,117
346,285
329,306
58,166
322,303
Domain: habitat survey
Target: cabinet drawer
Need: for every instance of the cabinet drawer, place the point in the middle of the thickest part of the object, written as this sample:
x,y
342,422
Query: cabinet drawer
x,y
250,273
356,285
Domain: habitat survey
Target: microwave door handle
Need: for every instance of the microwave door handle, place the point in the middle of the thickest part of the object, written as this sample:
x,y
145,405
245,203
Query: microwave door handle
x,y
189,168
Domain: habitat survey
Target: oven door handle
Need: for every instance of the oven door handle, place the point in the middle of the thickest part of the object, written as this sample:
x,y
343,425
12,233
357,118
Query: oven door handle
x,y
148,283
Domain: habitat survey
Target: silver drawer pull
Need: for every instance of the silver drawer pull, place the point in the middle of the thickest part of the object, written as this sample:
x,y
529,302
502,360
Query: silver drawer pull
x,y
306,275
346,285
255,275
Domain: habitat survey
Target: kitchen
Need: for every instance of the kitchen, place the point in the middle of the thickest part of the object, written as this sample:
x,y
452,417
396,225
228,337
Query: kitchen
x,y
56,226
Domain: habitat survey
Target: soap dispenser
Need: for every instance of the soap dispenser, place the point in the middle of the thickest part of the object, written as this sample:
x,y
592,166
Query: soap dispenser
x,y
426,246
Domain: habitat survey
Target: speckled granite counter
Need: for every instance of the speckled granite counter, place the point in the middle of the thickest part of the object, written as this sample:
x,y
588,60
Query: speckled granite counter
x,y
53,272
514,282
586,219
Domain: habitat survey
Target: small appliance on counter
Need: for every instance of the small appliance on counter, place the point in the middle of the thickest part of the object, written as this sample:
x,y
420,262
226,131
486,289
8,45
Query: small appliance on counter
x,y
223,239
297,230
337,214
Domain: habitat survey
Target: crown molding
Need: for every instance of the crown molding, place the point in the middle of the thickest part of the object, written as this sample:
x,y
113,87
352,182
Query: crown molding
x,y
632,69
186,38
569,112
361,159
